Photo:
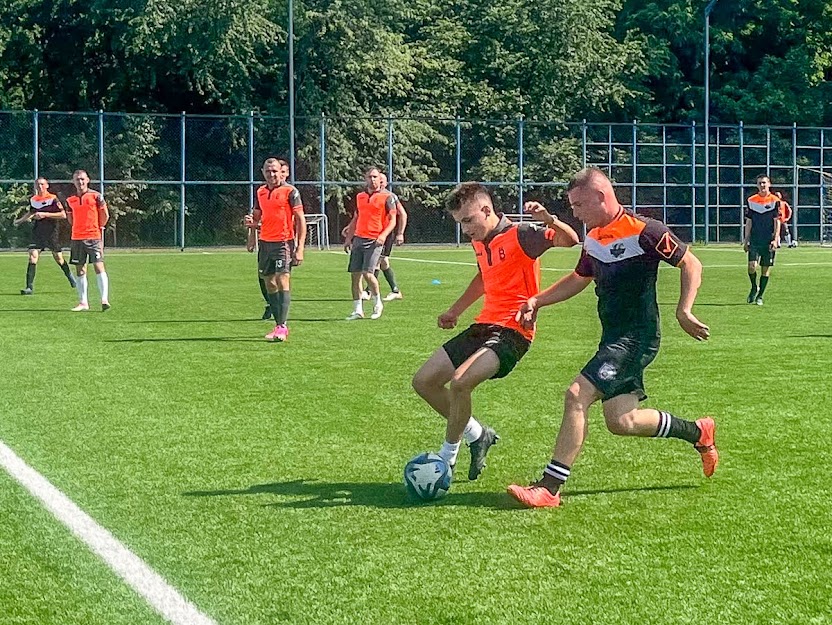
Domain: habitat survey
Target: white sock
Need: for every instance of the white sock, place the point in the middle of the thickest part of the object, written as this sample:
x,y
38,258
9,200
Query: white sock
x,y
378,303
473,431
81,287
357,307
449,452
103,286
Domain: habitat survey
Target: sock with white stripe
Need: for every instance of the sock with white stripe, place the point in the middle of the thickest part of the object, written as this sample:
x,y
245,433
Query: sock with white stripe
x,y
674,427
554,476
81,286
103,286
449,452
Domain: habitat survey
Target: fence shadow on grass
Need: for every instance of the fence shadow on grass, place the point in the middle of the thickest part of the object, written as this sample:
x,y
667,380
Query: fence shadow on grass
x,y
319,494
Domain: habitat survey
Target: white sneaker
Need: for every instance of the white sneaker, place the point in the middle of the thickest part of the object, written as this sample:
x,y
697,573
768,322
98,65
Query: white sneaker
x,y
355,315
391,296
81,308
365,295
377,310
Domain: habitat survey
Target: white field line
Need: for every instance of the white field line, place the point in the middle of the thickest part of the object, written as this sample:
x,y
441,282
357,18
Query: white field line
x,y
127,565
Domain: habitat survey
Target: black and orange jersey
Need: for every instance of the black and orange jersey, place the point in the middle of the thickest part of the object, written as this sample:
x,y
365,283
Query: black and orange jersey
x,y
508,260
784,214
86,222
373,213
48,203
623,259
277,208
763,211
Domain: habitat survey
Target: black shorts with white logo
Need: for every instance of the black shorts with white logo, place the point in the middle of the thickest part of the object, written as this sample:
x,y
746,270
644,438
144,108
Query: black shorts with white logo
x,y
762,253
617,368
275,257
45,240
509,345
86,251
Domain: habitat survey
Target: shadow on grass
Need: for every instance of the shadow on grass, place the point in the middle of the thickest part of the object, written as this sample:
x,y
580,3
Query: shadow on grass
x,y
386,495
195,339
34,310
196,320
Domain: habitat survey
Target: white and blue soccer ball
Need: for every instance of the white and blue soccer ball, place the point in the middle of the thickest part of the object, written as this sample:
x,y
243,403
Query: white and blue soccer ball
x,y
427,477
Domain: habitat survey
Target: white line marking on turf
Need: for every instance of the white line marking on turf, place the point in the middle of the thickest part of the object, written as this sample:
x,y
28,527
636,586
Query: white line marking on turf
x,y
132,569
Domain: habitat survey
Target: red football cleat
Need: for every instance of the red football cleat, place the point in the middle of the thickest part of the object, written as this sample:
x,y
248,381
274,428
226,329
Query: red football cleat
x,y
534,496
706,445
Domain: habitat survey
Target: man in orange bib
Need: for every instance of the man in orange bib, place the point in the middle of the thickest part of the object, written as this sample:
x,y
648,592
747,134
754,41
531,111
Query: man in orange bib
x,y
88,214
45,210
509,273
621,253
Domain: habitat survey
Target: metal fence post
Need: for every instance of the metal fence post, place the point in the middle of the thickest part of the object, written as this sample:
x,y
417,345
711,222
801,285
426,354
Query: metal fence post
x,y
633,183
182,181
520,163
795,174
458,171
36,142
693,180
583,160
741,131
101,149
322,150
389,153
250,160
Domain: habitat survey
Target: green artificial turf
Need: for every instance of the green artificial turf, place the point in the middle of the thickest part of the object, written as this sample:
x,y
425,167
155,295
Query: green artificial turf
x,y
263,481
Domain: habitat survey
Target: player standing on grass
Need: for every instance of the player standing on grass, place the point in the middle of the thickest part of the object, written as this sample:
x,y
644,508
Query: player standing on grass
x,y
46,210
762,236
372,222
278,212
509,273
785,217
88,215
621,253
396,238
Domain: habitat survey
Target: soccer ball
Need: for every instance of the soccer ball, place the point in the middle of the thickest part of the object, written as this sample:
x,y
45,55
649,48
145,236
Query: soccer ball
x,y
427,477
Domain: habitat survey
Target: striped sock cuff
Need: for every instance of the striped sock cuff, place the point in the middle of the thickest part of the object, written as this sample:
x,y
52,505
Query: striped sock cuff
x,y
664,425
557,470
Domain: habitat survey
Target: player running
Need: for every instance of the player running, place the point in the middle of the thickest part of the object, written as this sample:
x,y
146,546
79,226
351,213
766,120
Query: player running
x,y
621,253
509,273
88,215
45,210
278,212
762,236
372,222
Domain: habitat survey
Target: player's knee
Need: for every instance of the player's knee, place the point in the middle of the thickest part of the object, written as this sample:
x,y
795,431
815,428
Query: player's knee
x,y
384,263
573,398
622,424
461,384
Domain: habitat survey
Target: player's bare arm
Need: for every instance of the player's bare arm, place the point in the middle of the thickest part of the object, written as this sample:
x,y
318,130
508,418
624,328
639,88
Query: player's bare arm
x,y
691,278
401,223
349,232
24,218
448,319
103,212
746,239
565,288
565,235
391,225
775,240
300,235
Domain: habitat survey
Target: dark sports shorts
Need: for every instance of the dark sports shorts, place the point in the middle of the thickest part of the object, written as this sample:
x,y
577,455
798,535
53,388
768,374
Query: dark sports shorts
x,y
509,345
275,257
364,255
618,366
762,253
389,242
86,250
45,241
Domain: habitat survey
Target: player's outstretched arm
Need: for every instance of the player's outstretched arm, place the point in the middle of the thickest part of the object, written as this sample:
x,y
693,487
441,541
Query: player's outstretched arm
x,y
475,290
690,280
565,235
563,289
24,218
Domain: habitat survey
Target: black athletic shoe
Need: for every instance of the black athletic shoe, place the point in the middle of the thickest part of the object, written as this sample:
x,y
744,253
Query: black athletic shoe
x,y
267,314
479,448
26,291
105,307
752,295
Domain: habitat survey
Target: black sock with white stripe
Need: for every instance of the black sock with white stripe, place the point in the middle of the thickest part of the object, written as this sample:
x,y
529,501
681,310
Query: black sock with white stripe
x,y
674,427
554,476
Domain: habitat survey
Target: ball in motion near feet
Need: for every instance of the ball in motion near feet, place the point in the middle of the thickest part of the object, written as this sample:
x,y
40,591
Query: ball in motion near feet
x,y
427,477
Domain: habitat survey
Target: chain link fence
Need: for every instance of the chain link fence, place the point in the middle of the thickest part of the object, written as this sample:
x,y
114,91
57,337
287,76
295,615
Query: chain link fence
x,y
187,180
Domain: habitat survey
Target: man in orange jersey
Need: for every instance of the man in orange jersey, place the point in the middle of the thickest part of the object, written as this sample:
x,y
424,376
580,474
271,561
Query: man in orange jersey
x,y
46,210
372,222
509,273
762,236
279,213
621,253
396,238
88,214
785,217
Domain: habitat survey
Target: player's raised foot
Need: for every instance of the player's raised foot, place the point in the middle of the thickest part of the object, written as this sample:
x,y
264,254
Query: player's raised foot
x,y
366,295
393,295
355,315
377,310
534,496
81,308
706,445
759,301
267,313
105,306
26,291
752,295
479,448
